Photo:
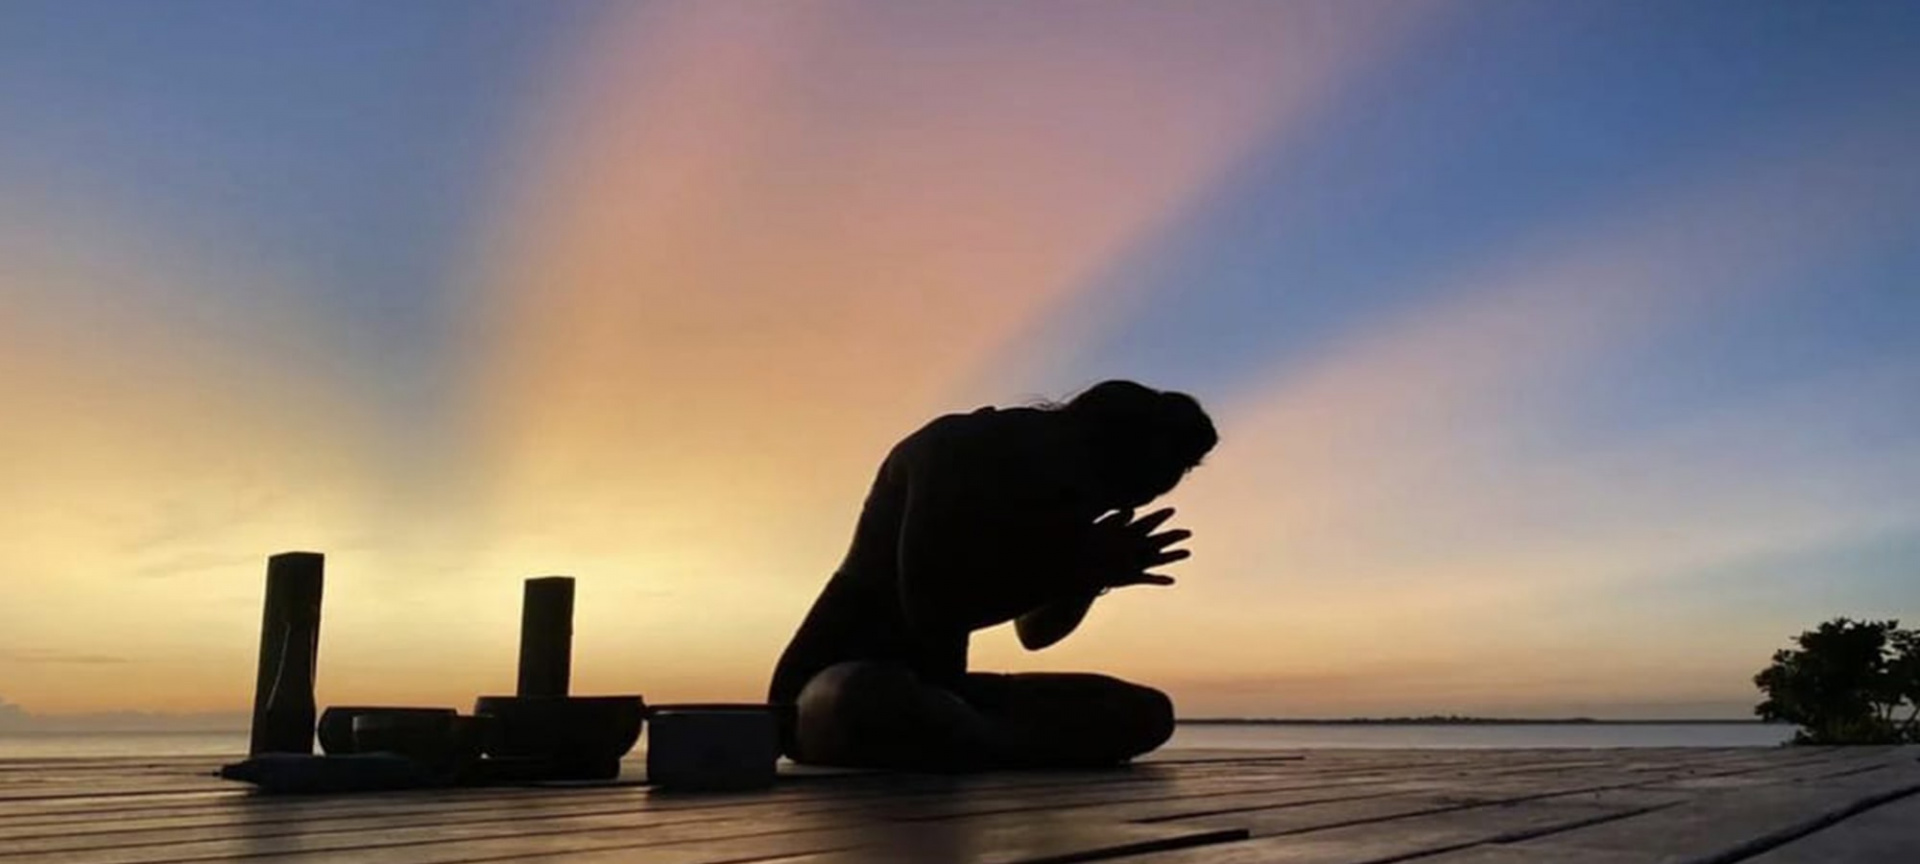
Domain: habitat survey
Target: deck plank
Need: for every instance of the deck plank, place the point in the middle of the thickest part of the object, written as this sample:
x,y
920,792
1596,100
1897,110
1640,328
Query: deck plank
x,y
629,810
1880,835
1323,806
1161,794
978,842
636,809
223,800
16,813
623,811
1725,824
1400,838
744,840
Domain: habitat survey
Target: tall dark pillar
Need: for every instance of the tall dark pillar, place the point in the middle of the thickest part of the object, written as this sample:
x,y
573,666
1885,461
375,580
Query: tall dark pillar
x,y
283,705
546,637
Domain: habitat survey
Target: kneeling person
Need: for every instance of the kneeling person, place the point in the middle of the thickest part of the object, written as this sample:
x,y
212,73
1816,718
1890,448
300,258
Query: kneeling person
x,y
1024,515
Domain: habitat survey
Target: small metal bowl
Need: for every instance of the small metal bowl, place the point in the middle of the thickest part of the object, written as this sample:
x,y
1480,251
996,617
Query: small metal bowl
x,y
424,738
336,723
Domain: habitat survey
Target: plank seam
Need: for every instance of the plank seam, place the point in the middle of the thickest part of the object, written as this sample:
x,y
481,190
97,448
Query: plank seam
x,y
1519,835
350,804
1077,805
1847,773
1142,847
1441,808
1251,808
1791,833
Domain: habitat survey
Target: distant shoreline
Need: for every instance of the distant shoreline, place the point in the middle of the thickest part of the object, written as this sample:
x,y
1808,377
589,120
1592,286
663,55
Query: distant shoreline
x,y
1457,721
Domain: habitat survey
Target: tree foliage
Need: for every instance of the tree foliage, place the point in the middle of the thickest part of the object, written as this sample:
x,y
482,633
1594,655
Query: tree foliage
x,y
1847,682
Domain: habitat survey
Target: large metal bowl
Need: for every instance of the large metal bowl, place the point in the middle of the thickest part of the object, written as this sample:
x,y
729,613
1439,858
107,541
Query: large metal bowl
x,y
576,737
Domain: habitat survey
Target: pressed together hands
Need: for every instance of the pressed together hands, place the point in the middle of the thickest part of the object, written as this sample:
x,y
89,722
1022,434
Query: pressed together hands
x,y
1121,549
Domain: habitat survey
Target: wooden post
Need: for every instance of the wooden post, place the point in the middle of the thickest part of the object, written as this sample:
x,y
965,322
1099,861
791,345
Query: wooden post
x,y
546,636
283,706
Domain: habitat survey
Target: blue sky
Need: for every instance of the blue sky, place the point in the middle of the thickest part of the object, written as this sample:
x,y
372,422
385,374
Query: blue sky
x,y
1596,314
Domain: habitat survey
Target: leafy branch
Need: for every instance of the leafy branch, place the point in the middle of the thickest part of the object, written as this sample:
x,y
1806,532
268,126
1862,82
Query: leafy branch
x,y
1846,682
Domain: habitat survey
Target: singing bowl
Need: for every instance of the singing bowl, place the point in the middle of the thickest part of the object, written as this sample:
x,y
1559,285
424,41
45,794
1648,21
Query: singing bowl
x,y
581,737
336,723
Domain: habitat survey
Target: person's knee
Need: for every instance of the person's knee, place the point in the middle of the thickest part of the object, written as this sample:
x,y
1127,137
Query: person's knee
x,y
1156,718
855,689
1144,713
846,702
1109,717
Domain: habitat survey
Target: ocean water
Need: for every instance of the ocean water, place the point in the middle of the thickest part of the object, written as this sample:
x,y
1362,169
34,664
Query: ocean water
x,y
69,745
1289,736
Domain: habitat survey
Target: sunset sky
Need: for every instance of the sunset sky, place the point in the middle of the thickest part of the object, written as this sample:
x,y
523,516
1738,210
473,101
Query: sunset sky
x,y
1566,355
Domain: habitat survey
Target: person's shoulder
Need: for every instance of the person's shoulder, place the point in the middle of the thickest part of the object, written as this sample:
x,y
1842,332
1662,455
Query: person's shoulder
x,y
956,437
958,425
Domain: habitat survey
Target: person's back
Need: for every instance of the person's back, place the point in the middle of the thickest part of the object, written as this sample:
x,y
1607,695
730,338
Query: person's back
x,y
999,454
974,520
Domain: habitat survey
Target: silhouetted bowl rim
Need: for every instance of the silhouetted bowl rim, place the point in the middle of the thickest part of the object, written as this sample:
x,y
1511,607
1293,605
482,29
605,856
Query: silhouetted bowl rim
x,y
716,708
569,728
612,699
334,726
353,711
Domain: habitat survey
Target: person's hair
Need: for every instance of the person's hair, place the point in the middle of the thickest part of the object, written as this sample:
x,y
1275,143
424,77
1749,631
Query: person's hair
x,y
1129,419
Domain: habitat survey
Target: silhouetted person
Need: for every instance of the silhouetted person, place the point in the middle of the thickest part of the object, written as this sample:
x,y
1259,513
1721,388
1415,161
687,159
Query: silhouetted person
x,y
1021,514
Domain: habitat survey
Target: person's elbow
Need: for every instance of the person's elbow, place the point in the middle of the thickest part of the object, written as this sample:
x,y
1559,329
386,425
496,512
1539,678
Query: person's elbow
x,y
1035,634
929,611
1039,642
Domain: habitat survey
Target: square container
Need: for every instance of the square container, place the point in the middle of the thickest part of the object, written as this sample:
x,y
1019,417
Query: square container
x,y
712,747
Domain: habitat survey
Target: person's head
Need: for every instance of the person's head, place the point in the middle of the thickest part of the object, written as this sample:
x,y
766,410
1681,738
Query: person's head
x,y
1143,440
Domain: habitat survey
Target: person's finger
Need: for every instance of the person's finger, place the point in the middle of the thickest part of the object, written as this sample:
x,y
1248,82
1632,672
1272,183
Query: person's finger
x,y
1153,520
1115,518
1141,579
1168,538
1168,557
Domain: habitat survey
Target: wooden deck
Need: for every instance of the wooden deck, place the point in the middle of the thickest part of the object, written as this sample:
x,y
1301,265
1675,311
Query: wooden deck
x,y
1766,806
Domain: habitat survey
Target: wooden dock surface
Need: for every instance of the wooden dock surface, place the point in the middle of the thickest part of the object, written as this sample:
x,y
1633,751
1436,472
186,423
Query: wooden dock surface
x,y
1765,806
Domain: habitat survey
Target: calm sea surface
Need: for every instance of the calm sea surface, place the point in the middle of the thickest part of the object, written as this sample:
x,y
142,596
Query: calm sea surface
x,y
1291,735
44,745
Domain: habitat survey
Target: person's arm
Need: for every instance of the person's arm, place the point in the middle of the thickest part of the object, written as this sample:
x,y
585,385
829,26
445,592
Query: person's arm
x,y
1058,619
1052,622
967,563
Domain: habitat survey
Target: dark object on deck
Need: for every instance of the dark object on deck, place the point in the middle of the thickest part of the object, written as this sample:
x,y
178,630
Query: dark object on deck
x,y
546,637
579,737
305,773
712,747
446,744
554,736
283,705
336,723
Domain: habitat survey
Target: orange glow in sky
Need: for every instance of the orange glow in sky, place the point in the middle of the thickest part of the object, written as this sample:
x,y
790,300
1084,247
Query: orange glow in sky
x,y
720,256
